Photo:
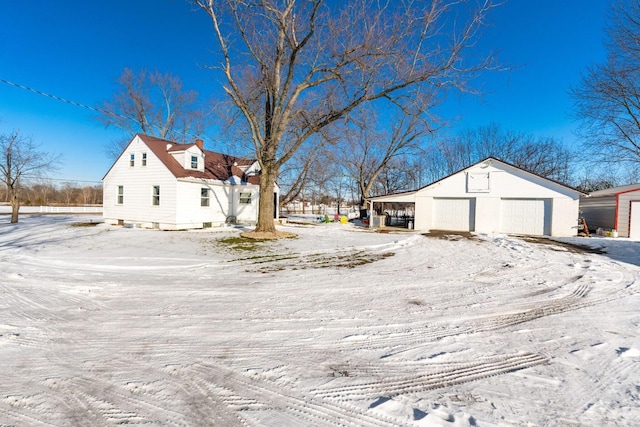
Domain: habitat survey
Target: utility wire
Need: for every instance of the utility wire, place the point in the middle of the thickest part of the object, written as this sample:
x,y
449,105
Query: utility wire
x,y
77,104
58,98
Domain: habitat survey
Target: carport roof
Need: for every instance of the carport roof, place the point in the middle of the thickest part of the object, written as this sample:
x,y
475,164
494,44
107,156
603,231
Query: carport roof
x,y
407,197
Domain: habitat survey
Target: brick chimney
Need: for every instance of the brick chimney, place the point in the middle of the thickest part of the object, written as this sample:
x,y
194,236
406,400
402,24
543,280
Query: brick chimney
x,y
200,143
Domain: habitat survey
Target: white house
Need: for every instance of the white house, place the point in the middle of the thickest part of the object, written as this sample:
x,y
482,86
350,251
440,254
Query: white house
x,y
615,208
162,184
492,196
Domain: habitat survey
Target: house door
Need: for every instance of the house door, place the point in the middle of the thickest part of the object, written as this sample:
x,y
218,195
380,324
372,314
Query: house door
x,y
634,220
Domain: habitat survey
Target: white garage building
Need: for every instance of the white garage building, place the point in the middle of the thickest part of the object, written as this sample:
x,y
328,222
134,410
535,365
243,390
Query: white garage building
x,y
492,196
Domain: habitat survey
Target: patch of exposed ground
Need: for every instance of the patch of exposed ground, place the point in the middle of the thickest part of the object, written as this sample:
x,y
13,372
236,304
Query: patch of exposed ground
x,y
292,261
450,235
260,235
563,246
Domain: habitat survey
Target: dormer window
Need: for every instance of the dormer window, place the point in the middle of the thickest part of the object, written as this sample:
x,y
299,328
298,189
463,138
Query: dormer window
x,y
194,162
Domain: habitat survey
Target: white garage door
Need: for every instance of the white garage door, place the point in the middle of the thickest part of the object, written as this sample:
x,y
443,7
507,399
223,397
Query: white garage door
x,y
454,214
634,222
522,216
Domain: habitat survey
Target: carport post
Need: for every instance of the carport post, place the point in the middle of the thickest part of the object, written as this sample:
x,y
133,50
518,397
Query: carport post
x,y
370,213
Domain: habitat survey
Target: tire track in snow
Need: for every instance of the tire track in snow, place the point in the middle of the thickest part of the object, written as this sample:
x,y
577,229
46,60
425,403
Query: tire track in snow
x,y
448,374
578,298
471,326
98,402
296,406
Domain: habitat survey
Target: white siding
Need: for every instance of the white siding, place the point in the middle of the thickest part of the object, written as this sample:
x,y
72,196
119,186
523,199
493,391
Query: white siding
x,y
180,199
223,204
634,220
624,211
488,183
138,182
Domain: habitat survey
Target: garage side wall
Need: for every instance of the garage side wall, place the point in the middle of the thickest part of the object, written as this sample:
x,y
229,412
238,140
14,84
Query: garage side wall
x,y
564,221
424,213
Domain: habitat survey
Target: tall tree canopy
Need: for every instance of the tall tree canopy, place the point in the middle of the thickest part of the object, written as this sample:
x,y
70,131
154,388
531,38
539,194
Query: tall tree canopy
x,y
607,100
293,68
153,103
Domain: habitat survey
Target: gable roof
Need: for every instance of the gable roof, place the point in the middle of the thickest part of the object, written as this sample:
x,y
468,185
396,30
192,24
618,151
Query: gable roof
x,y
217,166
488,159
614,191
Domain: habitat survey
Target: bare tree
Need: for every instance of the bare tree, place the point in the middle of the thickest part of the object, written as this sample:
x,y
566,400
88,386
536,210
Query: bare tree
x,y
21,160
153,103
543,156
293,68
607,100
303,169
372,145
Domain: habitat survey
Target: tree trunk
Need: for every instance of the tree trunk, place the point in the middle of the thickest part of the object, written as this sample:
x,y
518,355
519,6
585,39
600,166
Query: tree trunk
x,y
266,207
15,206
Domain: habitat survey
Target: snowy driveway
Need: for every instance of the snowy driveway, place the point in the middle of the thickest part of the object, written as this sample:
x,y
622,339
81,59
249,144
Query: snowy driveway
x,y
104,326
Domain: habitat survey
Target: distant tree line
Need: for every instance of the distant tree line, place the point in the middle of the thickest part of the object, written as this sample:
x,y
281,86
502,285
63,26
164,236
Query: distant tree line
x,y
47,194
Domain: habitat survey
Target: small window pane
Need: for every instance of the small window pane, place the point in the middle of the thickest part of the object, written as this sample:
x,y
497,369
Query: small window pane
x,y
245,198
156,195
120,194
132,159
194,162
204,197
144,159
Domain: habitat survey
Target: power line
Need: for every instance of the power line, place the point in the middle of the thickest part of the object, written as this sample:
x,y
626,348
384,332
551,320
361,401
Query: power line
x,y
59,98
78,104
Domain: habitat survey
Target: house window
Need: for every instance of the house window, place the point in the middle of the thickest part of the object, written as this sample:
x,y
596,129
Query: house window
x,y
156,195
144,159
245,198
194,162
120,194
132,159
204,197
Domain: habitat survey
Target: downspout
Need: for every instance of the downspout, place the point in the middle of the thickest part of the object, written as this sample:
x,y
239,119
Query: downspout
x,y
370,213
615,219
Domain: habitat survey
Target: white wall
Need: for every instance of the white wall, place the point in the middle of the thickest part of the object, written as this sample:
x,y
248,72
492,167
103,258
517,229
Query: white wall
x,y
564,222
223,203
138,182
503,182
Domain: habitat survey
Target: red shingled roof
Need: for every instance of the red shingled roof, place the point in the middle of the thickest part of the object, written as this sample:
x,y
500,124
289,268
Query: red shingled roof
x,y
217,166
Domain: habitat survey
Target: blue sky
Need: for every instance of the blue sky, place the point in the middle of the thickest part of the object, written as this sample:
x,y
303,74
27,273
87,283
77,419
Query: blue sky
x,y
76,49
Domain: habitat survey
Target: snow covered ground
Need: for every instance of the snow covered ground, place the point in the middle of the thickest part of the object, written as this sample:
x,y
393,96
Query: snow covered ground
x,y
105,325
